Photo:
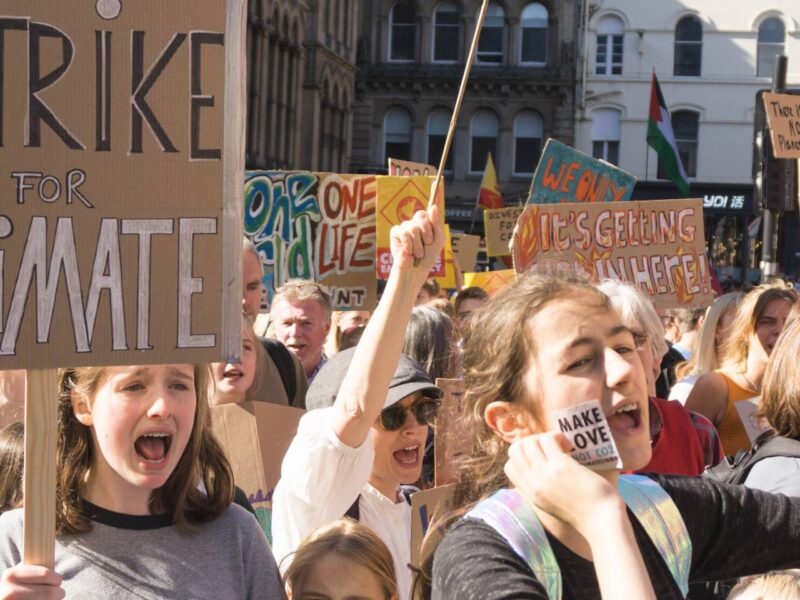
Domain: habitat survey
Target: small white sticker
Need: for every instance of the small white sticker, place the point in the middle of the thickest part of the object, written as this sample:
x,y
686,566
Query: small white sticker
x,y
592,443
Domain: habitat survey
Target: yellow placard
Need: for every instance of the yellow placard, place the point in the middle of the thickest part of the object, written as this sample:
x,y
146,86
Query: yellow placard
x,y
491,281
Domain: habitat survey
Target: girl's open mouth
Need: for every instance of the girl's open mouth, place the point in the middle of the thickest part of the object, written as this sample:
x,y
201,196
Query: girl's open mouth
x,y
153,447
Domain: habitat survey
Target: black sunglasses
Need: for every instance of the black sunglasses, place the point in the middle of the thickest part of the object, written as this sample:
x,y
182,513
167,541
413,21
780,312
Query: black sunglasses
x,y
394,417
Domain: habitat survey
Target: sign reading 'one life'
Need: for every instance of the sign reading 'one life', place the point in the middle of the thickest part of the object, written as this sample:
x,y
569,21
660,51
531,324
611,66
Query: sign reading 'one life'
x,y
114,139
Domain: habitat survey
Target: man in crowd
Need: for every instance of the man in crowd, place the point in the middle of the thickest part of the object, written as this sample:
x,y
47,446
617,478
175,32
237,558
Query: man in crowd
x,y
467,302
284,381
689,322
301,319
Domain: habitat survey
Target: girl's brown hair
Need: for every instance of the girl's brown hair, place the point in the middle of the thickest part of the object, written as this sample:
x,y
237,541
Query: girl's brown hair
x,y
499,347
203,460
750,310
12,458
780,388
347,539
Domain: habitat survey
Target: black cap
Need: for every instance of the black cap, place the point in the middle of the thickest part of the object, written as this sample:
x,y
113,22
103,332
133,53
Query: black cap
x,y
408,379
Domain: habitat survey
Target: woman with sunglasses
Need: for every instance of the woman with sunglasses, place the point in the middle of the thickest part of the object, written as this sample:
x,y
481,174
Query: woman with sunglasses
x,y
354,454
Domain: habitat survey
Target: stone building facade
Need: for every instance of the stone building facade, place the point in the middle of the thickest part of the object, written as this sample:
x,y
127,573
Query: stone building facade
x,y
301,83
411,56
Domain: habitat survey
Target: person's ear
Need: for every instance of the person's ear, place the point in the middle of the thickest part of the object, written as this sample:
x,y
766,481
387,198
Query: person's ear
x,y
82,409
508,420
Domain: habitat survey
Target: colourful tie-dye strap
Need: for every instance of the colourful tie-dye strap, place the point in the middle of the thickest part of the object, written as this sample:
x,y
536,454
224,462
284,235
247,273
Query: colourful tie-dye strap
x,y
660,518
510,515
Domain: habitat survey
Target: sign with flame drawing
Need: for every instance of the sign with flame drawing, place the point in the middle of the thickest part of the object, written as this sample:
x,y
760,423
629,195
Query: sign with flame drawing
x,y
657,245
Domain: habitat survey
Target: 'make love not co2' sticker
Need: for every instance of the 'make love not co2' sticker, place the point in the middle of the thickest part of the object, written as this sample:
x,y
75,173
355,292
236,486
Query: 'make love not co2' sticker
x,y
586,427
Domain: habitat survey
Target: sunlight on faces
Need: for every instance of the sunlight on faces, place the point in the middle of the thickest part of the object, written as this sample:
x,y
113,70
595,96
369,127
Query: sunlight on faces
x,y
232,380
141,419
585,353
335,577
398,454
351,319
466,310
251,284
302,327
769,327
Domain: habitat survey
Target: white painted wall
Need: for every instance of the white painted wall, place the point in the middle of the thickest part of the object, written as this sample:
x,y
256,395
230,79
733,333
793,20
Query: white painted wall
x,y
724,94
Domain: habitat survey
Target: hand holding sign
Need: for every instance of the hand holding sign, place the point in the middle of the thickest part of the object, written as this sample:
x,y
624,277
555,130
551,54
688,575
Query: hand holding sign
x,y
416,244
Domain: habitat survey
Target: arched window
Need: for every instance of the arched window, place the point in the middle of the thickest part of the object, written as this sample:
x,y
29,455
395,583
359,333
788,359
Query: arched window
x,y
688,47
606,134
438,123
533,49
528,134
610,39
402,31
685,124
771,37
397,134
490,45
483,132
445,32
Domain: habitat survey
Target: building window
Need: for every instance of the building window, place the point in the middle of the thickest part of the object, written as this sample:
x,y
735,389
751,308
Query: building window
x,y
606,134
438,123
445,33
528,134
534,35
610,36
397,134
685,125
483,131
490,45
771,35
402,32
688,47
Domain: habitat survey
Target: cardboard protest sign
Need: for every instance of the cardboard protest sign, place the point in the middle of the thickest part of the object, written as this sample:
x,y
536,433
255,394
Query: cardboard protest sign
x,y
783,118
406,168
452,439
587,428
656,245
491,281
119,132
448,280
318,226
255,437
398,199
425,507
566,175
465,249
498,226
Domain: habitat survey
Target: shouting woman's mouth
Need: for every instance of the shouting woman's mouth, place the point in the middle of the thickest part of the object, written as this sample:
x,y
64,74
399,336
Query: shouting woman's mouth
x,y
153,447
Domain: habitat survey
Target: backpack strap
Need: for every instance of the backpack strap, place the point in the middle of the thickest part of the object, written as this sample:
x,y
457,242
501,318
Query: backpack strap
x,y
662,521
510,515
283,361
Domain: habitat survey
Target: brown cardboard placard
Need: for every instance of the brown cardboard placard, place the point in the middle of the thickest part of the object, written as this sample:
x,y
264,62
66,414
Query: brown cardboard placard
x,y
783,118
491,281
407,168
452,438
498,225
118,140
255,437
425,506
318,226
658,245
465,248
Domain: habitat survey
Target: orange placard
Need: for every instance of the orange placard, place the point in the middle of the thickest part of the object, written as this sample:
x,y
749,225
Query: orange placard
x,y
491,281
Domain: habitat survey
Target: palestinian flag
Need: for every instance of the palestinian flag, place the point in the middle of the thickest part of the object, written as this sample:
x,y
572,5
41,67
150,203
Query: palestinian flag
x,y
662,139
489,195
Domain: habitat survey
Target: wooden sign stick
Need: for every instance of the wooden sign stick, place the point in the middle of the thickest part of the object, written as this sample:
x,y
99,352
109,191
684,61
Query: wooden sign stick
x,y
457,108
39,487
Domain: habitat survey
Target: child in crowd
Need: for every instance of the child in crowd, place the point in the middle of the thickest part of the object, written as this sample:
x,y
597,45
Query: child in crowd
x,y
239,382
352,456
537,524
339,561
143,497
12,458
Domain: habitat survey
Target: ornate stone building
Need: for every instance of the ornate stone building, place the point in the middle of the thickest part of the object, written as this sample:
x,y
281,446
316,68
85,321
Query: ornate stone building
x,y
411,56
301,82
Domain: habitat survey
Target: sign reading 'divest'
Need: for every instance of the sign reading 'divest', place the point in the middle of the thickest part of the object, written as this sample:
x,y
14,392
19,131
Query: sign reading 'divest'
x,y
112,122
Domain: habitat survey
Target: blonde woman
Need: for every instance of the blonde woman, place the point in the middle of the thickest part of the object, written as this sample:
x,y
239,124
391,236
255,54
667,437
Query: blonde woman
x,y
713,335
759,322
343,559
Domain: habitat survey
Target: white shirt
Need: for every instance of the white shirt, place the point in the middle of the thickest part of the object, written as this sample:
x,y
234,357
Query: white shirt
x,y
681,390
321,477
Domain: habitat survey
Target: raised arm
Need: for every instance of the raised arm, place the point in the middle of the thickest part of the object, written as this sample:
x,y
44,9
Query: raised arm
x,y
363,391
